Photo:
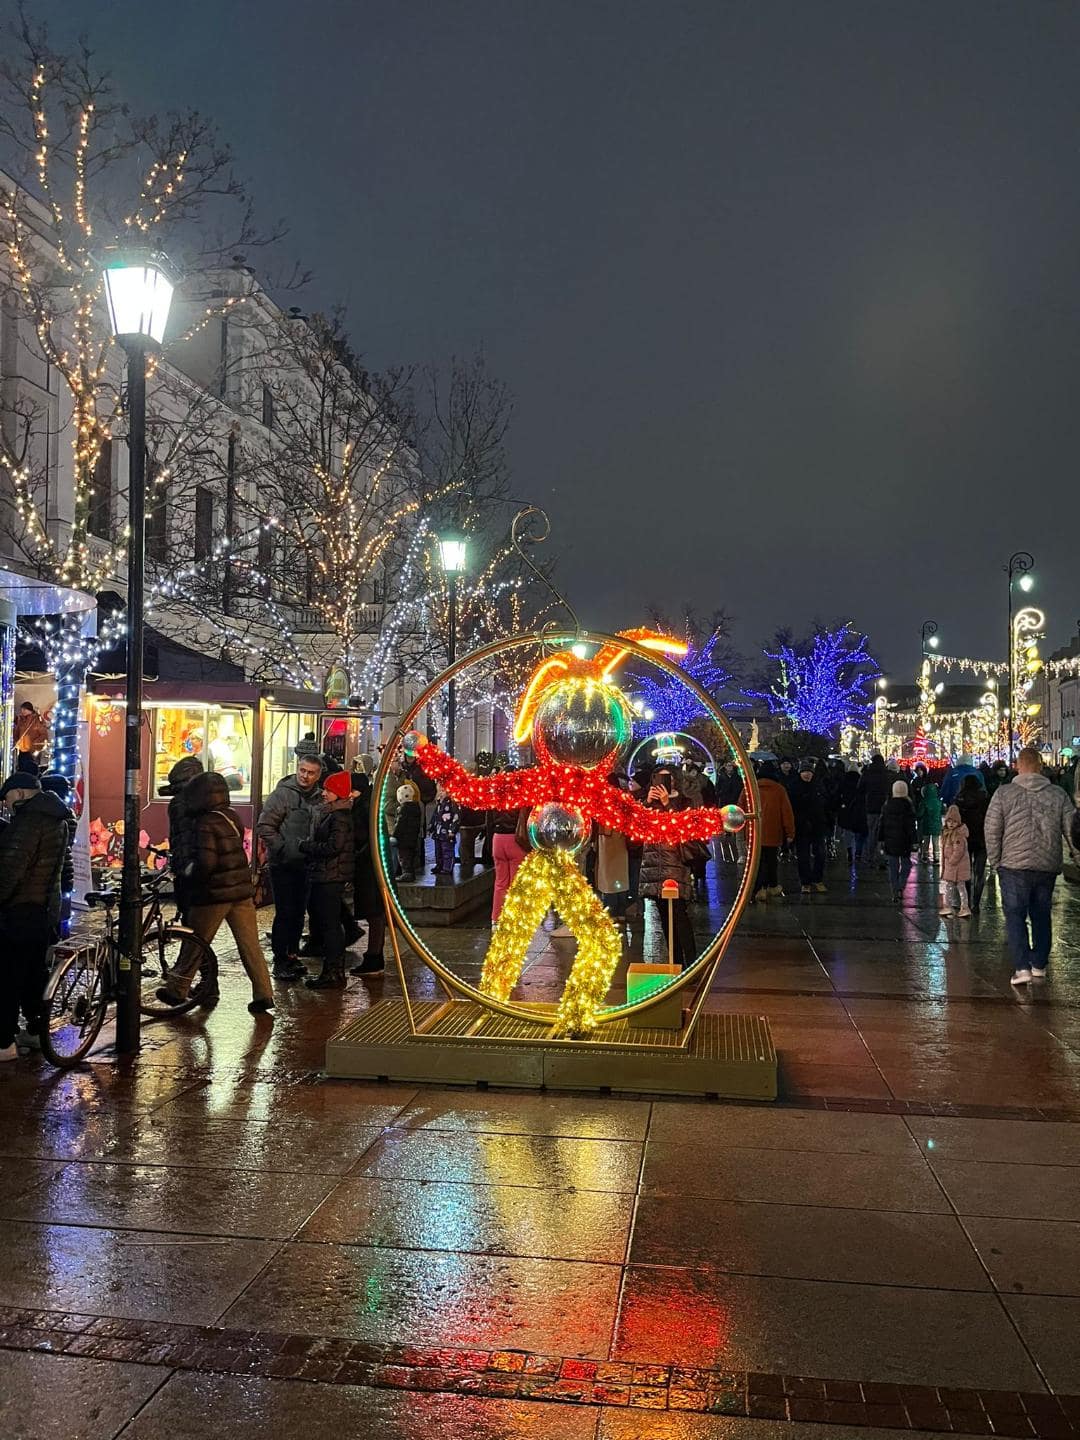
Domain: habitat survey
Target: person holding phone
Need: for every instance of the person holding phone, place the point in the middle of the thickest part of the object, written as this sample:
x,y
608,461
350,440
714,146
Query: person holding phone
x,y
661,862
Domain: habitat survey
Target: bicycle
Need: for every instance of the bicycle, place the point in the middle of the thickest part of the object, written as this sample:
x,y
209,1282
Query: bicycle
x,y
86,979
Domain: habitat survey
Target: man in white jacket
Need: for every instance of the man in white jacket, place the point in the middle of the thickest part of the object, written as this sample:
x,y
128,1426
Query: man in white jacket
x,y
1025,826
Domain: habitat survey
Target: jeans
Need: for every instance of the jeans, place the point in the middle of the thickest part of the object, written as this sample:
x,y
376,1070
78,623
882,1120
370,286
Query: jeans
x,y
26,933
767,869
854,841
325,904
1026,896
290,886
206,921
684,950
810,854
444,854
930,848
978,877
873,828
899,868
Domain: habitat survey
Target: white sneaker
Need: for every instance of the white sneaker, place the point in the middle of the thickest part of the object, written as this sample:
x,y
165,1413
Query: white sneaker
x,y
1021,977
1037,974
9,1052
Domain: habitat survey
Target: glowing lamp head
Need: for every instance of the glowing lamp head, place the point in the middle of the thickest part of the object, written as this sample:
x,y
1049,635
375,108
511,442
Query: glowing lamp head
x,y
933,642
138,291
1026,583
452,549
733,818
583,722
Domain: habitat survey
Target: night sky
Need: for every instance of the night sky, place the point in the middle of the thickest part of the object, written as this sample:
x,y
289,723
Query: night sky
x,y
787,290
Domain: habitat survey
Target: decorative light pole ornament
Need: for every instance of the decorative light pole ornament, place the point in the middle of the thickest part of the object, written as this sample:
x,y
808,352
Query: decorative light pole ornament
x,y
579,723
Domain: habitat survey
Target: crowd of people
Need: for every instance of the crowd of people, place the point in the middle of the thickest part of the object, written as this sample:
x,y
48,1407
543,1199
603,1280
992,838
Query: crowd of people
x,y
313,833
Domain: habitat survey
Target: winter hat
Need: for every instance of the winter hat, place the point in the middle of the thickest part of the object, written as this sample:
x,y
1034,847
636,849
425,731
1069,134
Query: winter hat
x,y
56,784
306,749
405,794
899,790
21,780
339,785
180,774
953,816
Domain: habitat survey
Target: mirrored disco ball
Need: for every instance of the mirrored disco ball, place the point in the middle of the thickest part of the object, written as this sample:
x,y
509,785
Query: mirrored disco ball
x,y
734,818
557,827
581,722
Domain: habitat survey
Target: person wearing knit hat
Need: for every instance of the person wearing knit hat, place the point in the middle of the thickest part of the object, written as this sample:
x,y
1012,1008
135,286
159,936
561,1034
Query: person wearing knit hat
x,y
898,837
329,853
307,748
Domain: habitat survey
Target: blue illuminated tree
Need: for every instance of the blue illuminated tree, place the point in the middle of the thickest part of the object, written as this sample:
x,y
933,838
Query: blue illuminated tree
x,y
667,702
819,684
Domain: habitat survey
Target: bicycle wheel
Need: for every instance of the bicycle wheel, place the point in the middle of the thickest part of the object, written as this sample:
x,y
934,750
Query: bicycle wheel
x,y
76,999
160,954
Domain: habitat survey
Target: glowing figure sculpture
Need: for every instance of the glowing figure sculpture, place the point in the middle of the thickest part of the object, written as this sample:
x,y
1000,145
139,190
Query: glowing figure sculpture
x,y
579,723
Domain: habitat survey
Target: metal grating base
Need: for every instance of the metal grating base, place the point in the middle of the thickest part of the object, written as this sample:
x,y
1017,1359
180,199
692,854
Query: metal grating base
x,y
463,1043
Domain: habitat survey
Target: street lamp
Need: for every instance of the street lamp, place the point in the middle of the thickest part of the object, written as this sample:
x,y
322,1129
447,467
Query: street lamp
x,y
138,291
930,639
1019,571
452,549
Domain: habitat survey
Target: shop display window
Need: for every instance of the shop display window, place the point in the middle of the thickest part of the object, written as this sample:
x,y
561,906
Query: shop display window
x,y
219,736
283,732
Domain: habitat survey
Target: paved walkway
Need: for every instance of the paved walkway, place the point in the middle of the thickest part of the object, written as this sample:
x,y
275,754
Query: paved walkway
x,y
217,1241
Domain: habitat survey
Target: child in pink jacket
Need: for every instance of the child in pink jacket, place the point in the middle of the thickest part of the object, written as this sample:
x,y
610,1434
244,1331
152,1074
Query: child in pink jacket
x,y
955,864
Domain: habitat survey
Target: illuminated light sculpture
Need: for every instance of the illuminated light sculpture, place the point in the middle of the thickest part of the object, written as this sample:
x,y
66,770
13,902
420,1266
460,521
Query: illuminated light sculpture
x,y
579,723
623,1027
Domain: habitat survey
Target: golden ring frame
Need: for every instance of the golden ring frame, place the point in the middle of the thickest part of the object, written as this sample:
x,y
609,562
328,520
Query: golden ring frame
x,y
704,968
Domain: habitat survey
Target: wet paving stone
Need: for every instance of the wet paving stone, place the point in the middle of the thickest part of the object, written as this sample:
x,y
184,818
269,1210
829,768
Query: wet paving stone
x,y
134,1273
306,1146
255,1409
46,1397
555,1163
485,1219
176,1200
800,1327
1029,1257
342,1100
770,1129
503,1113
1050,1326
1016,1141
1030,1192
432,1298
807,1242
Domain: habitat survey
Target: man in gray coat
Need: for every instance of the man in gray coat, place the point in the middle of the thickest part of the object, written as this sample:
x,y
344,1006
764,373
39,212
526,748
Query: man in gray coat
x,y
287,820
1025,826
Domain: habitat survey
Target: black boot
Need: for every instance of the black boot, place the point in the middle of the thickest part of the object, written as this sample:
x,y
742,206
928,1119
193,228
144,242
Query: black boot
x,y
332,977
370,965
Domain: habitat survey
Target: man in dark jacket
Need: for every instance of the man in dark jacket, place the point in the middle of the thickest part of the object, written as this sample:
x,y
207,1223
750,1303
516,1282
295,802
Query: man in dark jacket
x,y
876,789
331,856
898,836
288,818
60,786
220,889
808,803
367,898
32,851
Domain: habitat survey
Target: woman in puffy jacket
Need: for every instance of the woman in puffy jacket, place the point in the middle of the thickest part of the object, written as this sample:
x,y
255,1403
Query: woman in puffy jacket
x,y
331,854
219,888
667,862
777,825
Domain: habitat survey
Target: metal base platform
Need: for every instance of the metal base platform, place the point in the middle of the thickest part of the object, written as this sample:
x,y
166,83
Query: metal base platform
x,y
463,1043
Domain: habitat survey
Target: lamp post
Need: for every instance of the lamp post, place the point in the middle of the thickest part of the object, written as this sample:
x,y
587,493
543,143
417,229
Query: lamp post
x,y
138,289
1019,571
930,639
452,549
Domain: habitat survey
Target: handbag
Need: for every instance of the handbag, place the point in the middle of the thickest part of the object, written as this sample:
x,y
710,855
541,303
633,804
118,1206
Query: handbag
x,y
521,831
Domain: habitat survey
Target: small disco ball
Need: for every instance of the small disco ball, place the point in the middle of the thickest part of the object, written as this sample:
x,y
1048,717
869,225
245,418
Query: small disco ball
x,y
557,827
734,818
581,722
410,742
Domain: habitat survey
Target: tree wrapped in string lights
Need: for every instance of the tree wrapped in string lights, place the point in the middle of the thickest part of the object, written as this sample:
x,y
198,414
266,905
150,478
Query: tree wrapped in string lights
x,y
710,661
84,176
820,684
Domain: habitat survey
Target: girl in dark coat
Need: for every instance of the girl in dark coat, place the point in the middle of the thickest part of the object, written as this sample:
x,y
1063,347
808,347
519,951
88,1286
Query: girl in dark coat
x,y
973,802
665,862
219,889
367,899
852,815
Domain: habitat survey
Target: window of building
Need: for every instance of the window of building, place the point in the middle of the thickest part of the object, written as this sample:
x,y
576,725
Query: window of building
x,y
218,736
376,591
99,520
204,523
267,407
